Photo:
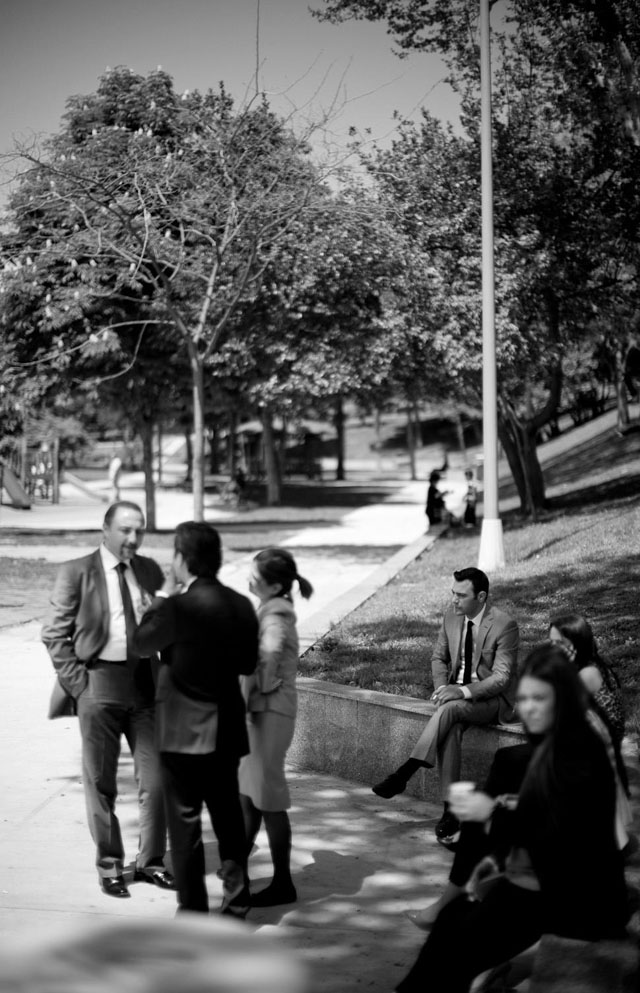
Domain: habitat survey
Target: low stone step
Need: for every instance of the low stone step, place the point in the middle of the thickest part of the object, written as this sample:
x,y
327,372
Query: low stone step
x,y
363,735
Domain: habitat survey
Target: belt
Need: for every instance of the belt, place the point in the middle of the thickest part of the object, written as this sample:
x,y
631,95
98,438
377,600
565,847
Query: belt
x,y
119,661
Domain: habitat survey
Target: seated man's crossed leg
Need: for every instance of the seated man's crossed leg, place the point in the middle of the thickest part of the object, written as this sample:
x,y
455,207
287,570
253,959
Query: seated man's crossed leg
x,y
473,667
440,744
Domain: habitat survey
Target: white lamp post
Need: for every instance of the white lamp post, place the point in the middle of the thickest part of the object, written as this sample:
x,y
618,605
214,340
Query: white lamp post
x,y
491,554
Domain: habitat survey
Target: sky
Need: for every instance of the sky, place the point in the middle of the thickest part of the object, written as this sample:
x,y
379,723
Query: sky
x,y
52,49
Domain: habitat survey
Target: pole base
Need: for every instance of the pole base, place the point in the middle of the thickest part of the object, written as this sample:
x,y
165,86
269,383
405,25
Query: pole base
x,y
491,554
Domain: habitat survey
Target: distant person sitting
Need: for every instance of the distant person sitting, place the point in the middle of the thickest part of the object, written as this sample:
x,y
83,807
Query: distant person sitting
x,y
474,669
435,500
470,499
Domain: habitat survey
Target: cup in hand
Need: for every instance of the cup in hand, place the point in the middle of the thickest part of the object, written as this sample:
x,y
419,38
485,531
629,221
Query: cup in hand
x,y
460,789
458,792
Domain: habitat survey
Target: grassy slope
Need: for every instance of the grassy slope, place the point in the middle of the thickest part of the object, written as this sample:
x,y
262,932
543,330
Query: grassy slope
x,y
581,557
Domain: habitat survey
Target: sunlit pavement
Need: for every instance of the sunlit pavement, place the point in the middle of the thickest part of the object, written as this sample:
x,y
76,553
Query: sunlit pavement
x,y
358,861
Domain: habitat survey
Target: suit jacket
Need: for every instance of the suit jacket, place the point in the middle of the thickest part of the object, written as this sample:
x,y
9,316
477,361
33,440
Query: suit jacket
x,y
494,661
78,626
208,637
273,685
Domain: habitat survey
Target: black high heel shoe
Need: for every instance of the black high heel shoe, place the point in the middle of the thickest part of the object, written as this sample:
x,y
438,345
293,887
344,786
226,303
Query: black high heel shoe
x,y
236,906
235,890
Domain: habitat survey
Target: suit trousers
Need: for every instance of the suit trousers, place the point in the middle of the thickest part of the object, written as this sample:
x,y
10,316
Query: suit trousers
x,y
471,936
441,741
191,781
101,726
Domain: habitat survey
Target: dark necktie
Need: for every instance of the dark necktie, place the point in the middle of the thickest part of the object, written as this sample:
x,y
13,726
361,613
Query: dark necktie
x,y
129,612
127,604
468,653
141,667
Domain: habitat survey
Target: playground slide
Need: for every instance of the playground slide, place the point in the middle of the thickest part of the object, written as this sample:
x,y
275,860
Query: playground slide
x,y
80,485
16,492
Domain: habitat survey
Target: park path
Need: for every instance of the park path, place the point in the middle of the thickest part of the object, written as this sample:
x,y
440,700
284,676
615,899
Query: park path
x,y
358,862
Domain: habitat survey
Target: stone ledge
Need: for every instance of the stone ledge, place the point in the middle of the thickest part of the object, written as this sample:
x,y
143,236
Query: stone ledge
x,y
363,735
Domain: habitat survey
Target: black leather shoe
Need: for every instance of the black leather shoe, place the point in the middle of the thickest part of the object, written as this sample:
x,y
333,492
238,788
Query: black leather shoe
x,y
448,829
157,875
114,886
273,896
390,786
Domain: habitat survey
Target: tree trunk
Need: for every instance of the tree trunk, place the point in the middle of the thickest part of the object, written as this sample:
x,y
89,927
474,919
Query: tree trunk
x,y
338,420
417,426
232,446
281,449
621,389
197,374
146,433
214,465
457,417
189,454
518,441
378,442
159,452
411,444
272,469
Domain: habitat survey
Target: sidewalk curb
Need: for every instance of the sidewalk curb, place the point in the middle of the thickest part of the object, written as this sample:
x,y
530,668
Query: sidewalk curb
x,y
314,628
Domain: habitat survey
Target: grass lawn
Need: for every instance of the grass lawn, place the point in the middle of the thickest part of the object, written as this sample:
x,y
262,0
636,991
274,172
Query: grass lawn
x,y
582,558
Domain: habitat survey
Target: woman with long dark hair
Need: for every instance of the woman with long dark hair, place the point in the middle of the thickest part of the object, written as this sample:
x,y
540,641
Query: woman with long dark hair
x,y
548,822
575,634
270,696
606,708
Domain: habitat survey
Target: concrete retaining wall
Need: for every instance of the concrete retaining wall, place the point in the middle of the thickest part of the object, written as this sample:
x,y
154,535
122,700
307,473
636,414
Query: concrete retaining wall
x,y
364,735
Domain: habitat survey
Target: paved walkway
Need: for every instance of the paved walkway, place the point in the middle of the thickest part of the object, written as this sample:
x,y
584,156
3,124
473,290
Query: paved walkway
x,y
358,861
334,556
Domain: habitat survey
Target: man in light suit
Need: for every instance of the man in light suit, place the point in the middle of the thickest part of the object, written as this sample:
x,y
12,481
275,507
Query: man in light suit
x,y
96,602
208,636
474,670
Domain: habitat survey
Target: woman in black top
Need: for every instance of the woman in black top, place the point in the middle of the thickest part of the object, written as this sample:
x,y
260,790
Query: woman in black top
x,y
555,840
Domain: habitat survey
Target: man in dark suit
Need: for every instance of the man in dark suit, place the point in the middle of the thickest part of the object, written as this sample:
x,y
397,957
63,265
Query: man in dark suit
x,y
474,671
208,636
95,605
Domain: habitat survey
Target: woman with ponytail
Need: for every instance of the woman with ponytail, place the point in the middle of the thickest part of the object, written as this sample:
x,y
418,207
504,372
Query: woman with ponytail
x,y
270,696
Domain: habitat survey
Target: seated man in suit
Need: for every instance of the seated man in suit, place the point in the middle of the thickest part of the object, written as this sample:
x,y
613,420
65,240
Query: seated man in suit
x,y
474,670
208,636
96,602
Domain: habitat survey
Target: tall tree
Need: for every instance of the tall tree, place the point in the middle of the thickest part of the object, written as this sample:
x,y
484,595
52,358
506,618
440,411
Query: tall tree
x,y
565,207
167,205
328,322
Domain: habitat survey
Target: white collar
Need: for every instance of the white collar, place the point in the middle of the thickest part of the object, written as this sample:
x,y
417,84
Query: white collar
x,y
477,620
109,560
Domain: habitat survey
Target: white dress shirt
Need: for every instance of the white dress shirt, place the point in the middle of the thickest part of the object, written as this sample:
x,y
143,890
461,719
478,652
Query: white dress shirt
x,y
475,624
115,648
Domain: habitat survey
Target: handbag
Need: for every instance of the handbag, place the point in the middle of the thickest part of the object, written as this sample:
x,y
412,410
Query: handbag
x,y
484,877
61,704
